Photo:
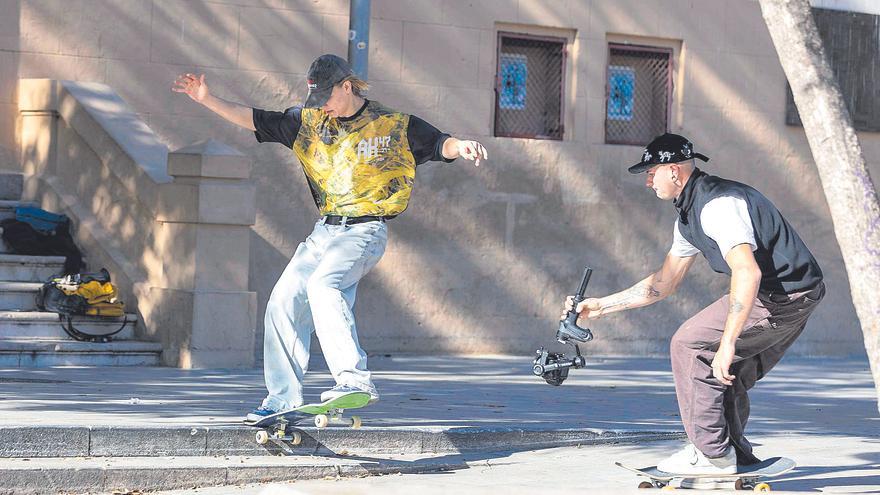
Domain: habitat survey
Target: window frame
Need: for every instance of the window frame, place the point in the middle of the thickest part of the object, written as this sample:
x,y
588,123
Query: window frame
x,y
670,84
861,122
562,88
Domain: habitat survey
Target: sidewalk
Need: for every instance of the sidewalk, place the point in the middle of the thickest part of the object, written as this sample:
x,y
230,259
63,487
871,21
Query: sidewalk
x,y
432,407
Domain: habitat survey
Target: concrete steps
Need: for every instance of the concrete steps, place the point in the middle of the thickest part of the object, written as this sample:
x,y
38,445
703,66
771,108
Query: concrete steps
x,y
11,185
22,268
30,352
44,325
30,338
19,295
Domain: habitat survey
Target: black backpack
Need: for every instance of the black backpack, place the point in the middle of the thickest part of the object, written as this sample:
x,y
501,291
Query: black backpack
x,y
51,298
22,238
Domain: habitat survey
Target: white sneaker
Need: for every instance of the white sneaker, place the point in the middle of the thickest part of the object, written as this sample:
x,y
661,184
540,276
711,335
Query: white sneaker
x,y
340,390
690,460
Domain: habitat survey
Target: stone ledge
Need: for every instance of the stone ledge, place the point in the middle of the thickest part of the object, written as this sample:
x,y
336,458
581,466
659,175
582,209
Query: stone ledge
x,y
100,441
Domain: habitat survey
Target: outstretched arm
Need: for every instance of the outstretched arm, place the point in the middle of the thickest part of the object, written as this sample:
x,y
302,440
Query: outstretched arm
x,y
196,88
469,150
651,289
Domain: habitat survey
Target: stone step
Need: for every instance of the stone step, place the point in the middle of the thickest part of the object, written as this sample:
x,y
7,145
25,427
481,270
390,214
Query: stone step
x,y
45,325
11,185
19,296
43,353
22,268
136,475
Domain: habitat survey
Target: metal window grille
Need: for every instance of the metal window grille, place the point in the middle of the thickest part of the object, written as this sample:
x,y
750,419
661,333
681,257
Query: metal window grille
x,y
529,86
850,41
638,93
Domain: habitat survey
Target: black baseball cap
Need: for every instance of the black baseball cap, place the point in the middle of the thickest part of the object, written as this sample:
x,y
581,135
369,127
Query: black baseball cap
x,y
324,73
667,148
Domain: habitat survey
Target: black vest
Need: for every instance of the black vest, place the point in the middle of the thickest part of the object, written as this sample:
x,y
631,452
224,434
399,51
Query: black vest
x,y
787,266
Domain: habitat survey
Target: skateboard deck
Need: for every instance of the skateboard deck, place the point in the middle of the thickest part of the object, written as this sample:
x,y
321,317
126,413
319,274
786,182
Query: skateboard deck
x,y
328,412
748,477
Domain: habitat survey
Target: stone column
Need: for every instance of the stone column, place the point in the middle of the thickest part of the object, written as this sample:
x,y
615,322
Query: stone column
x,y
206,316
38,111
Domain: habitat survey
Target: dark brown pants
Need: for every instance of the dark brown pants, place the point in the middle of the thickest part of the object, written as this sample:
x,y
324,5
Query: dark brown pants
x,y
715,415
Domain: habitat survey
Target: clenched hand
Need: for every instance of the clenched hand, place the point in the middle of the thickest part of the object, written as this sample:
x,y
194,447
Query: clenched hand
x,y
589,308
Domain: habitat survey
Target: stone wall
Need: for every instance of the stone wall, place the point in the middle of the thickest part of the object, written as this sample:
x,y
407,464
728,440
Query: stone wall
x,y
484,256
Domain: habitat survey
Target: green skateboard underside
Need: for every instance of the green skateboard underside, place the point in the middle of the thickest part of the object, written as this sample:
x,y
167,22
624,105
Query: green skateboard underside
x,y
353,400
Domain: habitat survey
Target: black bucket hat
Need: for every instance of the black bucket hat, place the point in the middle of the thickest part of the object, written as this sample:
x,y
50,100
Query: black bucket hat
x,y
667,148
324,73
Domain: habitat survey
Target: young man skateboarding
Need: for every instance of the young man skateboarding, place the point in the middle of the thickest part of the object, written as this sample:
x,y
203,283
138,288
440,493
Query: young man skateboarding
x,y
360,159
719,354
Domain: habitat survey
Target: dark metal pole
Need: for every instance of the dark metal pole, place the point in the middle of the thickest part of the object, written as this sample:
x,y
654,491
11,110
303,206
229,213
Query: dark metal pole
x,y
359,37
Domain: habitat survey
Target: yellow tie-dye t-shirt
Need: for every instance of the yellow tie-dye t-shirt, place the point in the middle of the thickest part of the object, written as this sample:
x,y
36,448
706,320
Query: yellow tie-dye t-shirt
x,y
359,165
362,166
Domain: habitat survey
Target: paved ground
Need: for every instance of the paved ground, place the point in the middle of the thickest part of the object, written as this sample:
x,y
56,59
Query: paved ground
x,y
821,412
838,464
801,395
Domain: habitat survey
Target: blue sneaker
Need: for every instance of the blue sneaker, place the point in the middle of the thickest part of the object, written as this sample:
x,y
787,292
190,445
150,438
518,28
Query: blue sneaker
x,y
342,389
259,414
264,416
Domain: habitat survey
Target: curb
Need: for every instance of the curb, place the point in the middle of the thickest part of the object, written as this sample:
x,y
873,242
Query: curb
x,y
134,475
104,441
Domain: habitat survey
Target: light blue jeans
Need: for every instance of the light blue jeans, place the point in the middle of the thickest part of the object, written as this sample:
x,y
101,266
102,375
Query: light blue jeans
x,y
316,293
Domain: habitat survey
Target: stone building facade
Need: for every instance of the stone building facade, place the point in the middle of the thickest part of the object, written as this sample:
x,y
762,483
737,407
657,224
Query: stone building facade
x,y
483,258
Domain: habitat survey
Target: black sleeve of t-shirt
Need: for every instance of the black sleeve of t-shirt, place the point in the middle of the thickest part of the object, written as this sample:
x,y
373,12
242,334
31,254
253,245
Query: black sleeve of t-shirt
x,y
426,141
277,127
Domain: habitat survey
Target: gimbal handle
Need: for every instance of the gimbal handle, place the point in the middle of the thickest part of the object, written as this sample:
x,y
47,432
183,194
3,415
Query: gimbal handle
x,y
572,315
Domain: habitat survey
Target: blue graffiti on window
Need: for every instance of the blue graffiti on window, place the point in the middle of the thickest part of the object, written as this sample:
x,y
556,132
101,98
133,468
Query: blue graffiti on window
x,y
621,89
514,73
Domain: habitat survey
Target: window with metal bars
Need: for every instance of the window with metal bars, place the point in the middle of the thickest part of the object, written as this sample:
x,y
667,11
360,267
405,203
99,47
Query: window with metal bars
x,y
529,86
638,93
851,45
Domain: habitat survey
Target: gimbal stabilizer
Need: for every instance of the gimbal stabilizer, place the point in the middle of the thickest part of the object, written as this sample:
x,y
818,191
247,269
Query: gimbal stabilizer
x,y
553,366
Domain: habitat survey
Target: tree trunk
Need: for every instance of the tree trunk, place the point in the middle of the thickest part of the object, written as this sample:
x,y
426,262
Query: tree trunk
x,y
849,191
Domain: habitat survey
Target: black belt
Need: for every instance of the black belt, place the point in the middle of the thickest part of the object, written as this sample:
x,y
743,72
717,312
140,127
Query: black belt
x,y
337,220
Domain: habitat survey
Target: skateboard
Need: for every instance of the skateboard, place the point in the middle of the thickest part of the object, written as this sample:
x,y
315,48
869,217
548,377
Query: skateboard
x,y
748,478
328,412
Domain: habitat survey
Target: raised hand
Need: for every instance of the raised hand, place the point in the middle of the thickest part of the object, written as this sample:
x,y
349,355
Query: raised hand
x,y
472,150
192,86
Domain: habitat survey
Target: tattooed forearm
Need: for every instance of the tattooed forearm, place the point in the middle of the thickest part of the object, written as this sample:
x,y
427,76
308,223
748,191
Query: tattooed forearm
x,y
638,295
736,307
650,291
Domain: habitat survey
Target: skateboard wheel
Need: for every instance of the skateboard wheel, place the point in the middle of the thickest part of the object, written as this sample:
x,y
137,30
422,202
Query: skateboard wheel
x,y
646,484
668,488
296,438
262,437
762,487
356,422
321,420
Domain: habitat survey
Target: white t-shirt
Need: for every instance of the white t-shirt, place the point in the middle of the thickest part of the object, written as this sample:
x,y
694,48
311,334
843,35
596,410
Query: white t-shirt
x,y
725,220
